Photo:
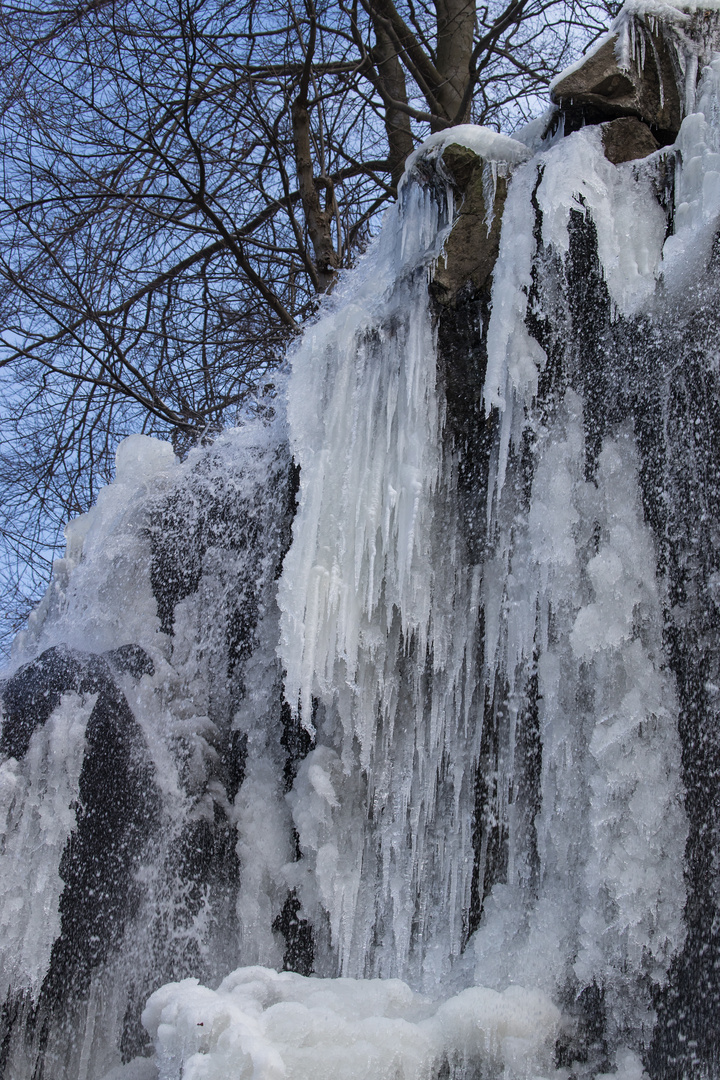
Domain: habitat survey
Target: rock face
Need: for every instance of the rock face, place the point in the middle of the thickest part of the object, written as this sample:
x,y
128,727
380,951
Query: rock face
x,y
460,288
627,139
472,247
35,691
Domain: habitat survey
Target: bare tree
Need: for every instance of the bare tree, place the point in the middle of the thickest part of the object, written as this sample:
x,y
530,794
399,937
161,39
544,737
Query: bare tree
x,y
181,181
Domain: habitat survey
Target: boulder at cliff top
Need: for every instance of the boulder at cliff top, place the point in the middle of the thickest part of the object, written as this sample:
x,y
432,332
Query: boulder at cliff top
x,y
601,88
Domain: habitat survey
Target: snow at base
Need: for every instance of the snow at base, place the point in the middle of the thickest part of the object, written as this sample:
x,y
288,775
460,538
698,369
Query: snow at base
x,y
261,1025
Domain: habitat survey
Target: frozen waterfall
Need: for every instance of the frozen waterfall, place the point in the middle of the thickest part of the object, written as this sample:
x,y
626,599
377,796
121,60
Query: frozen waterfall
x,y
381,739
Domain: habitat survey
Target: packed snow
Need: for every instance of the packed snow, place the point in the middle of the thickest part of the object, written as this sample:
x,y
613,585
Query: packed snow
x,y
264,1025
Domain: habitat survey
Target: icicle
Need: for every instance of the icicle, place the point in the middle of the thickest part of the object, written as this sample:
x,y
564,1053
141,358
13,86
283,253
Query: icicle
x,y
658,68
489,181
385,634
513,356
697,182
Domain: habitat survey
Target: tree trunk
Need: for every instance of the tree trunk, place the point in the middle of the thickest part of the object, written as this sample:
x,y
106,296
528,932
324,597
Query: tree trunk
x,y
392,82
317,219
455,29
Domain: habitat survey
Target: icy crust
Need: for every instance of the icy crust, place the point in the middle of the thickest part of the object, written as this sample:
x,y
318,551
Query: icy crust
x,y
263,1025
101,595
581,602
571,597
663,11
375,581
221,690
378,623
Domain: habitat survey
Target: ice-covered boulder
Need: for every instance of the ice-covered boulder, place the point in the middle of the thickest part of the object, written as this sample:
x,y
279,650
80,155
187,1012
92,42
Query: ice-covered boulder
x,y
644,86
646,68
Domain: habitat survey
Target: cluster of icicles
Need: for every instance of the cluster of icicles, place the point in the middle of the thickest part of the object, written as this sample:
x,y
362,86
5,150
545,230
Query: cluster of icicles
x,y
380,621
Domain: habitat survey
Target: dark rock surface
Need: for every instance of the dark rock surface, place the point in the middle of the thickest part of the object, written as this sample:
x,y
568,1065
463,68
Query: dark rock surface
x,y
627,139
34,691
117,810
130,660
472,248
460,291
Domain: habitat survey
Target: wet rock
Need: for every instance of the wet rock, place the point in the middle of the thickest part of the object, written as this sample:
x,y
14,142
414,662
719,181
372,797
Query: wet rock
x,y
117,804
461,293
472,247
600,89
117,813
130,660
32,694
627,139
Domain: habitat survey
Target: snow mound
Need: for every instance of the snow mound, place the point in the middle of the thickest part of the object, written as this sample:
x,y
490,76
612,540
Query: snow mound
x,y
264,1025
486,143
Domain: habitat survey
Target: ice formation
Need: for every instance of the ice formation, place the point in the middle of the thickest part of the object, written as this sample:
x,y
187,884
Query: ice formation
x,y
410,686
379,615
37,796
261,1023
